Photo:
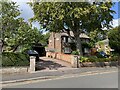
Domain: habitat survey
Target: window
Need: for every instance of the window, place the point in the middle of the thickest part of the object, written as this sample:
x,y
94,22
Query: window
x,y
67,50
65,39
69,40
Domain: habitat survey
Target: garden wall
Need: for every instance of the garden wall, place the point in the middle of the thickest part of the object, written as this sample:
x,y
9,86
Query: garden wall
x,y
65,57
71,59
11,70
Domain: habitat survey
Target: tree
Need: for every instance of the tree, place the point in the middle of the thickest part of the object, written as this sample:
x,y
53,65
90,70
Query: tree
x,y
114,39
73,16
15,32
96,36
46,38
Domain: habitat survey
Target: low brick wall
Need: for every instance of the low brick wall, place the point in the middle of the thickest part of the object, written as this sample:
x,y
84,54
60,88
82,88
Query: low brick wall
x,y
65,57
50,54
11,70
71,59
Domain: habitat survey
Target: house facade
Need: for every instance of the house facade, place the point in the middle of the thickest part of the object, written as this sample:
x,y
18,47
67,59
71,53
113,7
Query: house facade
x,y
61,42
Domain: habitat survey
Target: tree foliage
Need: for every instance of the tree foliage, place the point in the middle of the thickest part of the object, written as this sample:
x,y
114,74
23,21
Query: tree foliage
x,y
96,36
73,16
114,38
45,38
15,32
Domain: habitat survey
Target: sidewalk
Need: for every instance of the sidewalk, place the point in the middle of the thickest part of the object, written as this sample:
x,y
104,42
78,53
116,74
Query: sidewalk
x,y
38,74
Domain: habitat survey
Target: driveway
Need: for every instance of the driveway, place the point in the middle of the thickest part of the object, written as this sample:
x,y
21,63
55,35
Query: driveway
x,y
46,63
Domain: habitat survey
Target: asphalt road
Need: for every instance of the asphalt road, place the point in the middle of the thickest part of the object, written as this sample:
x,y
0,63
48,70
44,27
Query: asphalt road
x,y
103,80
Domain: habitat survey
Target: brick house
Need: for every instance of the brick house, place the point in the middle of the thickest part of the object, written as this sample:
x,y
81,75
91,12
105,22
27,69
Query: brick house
x,y
60,42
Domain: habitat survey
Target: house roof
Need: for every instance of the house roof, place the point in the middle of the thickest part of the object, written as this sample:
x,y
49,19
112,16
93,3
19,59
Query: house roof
x,y
106,41
82,35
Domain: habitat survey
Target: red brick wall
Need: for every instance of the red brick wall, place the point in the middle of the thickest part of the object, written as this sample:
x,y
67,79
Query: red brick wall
x,y
51,41
55,42
60,56
58,42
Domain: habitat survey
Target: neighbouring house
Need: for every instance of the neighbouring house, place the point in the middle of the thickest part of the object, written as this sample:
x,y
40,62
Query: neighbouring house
x,y
61,42
103,46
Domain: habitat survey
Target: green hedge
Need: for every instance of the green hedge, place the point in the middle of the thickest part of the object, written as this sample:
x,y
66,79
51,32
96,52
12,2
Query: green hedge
x,y
96,59
14,59
115,58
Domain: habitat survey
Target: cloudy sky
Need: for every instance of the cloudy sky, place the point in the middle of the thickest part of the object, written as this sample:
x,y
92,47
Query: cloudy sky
x,y
27,13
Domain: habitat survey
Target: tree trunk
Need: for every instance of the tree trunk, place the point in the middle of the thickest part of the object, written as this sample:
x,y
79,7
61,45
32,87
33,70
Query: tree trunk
x,y
78,45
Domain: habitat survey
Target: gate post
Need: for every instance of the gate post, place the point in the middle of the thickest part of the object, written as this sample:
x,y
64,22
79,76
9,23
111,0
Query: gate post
x,y
75,61
32,64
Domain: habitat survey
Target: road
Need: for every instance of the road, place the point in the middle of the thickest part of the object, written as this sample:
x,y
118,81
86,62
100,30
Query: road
x,y
100,80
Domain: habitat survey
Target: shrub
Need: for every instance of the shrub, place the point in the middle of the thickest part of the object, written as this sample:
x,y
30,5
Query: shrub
x,y
84,59
92,59
75,53
96,59
14,59
102,59
114,58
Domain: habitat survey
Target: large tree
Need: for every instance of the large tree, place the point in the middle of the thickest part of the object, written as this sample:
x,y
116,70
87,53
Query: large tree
x,y
15,32
73,16
114,39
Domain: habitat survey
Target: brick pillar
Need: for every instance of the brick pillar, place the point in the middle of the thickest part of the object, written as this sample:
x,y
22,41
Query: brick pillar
x,y
32,64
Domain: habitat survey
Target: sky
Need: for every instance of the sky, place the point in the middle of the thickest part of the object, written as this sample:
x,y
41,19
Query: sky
x,y
116,16
27,13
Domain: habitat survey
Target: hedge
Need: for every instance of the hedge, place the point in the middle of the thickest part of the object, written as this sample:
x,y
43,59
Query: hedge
x,y
14,59
96,59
